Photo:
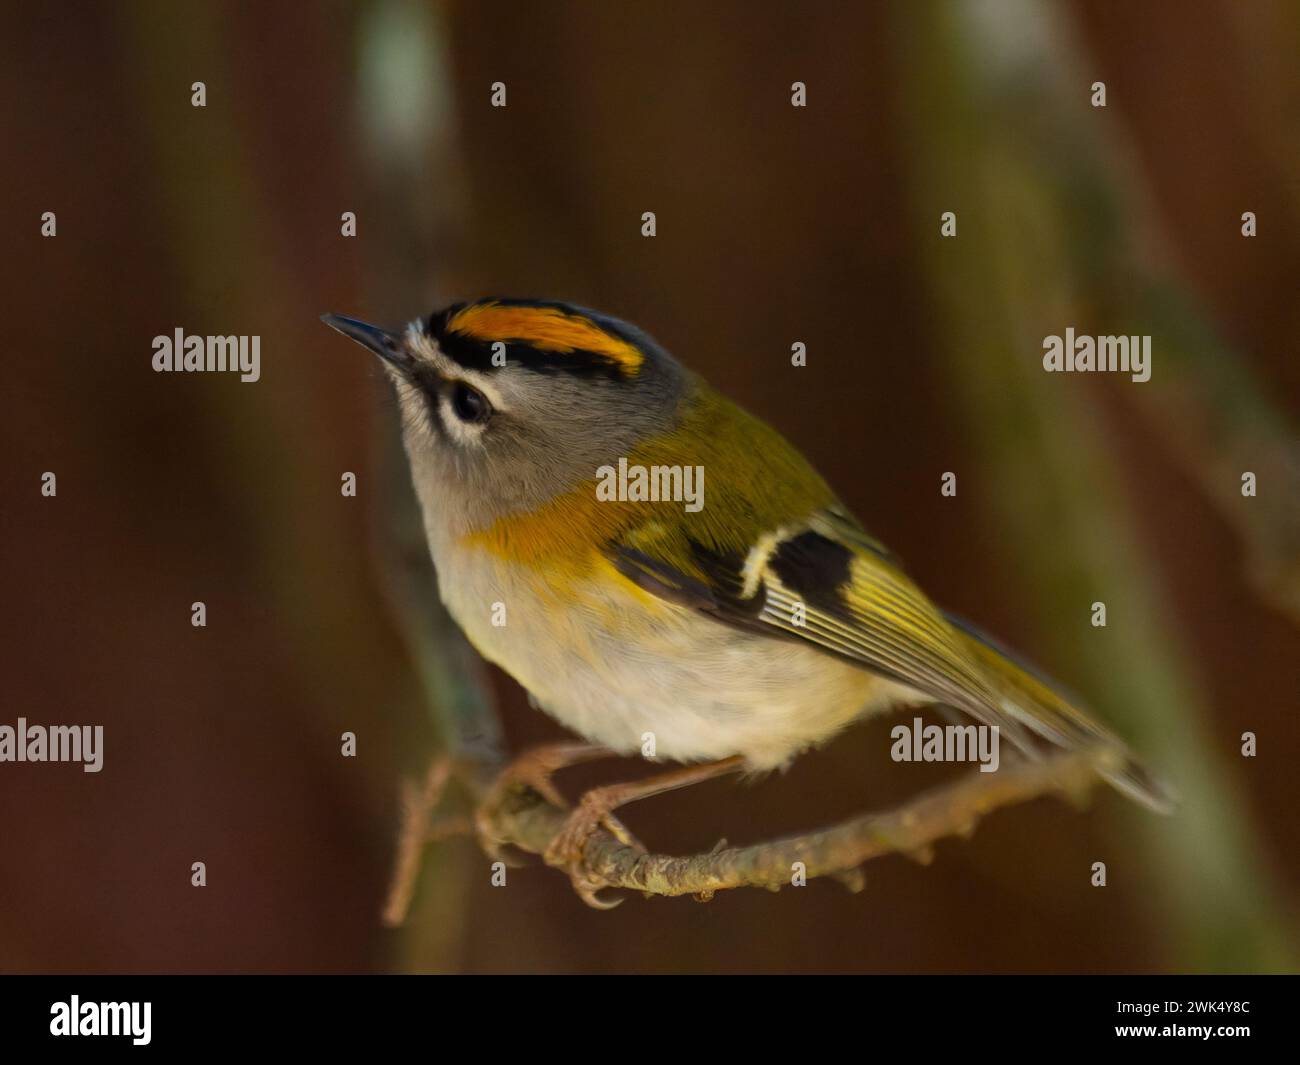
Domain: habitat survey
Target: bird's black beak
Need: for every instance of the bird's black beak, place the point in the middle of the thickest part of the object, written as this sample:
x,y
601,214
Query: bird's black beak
x,y
388,346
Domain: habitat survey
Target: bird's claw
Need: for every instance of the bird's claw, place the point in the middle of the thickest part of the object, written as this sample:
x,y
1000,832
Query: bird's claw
x,y
533,771
566,850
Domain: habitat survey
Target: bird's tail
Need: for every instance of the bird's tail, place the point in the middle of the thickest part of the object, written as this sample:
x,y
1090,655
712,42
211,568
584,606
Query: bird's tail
x,y
1041,706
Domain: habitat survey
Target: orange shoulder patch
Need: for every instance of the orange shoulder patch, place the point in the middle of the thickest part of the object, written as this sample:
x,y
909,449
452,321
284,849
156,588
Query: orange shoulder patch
x,y
544,328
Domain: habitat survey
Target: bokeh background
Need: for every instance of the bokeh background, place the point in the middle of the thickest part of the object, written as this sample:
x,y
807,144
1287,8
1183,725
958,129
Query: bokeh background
x,y
775,224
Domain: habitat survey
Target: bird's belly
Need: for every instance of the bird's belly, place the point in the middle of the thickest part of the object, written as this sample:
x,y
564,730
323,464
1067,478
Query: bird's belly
x,y
640,675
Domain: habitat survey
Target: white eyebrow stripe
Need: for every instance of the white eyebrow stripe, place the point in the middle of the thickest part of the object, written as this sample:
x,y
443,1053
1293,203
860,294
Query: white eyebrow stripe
x,y
426,351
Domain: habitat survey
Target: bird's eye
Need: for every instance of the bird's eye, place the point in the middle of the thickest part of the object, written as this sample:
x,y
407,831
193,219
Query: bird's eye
x,y
469,403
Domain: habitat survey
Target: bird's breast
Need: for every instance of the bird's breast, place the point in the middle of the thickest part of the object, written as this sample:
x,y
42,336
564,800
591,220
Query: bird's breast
x,y
637,674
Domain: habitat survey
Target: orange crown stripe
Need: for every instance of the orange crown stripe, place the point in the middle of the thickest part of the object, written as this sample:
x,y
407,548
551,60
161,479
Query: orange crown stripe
x,y
545,328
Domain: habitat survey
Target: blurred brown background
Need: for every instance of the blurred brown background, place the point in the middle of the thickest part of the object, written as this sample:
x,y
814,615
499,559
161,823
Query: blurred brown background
x,y
775,224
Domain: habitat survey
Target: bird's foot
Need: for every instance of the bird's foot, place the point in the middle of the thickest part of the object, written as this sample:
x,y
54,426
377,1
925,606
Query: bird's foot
x,y
567,849
531,770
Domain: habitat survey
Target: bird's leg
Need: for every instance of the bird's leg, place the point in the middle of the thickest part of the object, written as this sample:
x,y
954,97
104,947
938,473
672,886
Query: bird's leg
x,y
596,809
532,769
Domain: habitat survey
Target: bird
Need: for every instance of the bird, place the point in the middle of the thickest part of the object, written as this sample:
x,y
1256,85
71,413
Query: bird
x,y
734,631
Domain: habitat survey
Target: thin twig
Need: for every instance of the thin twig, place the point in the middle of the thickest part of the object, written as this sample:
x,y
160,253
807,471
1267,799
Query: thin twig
x,y
529,822
415,833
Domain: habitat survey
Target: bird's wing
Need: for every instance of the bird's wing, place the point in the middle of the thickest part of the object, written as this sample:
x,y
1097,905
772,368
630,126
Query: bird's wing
x,y
823,581
826,582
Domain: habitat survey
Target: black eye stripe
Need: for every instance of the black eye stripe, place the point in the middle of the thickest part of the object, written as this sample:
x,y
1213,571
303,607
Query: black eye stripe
x,y
425,383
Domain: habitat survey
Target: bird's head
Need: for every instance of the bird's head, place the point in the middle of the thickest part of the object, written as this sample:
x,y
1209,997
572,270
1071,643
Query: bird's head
x,y
509,403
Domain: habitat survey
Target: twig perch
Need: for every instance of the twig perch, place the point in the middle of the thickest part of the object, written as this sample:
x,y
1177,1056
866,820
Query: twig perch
x,y
529,822
418,805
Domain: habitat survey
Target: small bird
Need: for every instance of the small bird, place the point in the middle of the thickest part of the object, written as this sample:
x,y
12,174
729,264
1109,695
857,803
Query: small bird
x,y
734,632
